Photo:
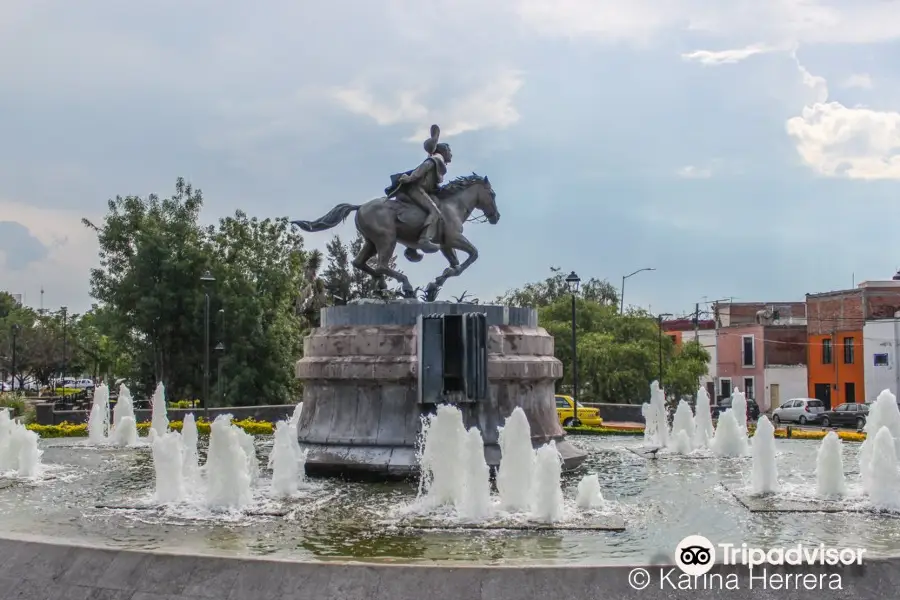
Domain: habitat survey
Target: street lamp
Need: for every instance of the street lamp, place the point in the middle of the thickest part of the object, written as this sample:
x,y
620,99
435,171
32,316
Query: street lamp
x,y
622,294
65,314
15,333
572,282
660,321
206,278
220,351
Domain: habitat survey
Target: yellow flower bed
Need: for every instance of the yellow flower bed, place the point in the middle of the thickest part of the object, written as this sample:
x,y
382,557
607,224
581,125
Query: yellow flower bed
x,y
251,426
796,434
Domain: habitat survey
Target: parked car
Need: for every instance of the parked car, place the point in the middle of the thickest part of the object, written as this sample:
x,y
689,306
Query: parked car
x,y
84,384
725,404
850,414
589,417
799,410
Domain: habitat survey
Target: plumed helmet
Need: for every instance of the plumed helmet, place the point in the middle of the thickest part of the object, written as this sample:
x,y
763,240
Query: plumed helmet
x,y
431,143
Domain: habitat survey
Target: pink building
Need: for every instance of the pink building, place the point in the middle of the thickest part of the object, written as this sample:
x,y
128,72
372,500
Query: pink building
x,y
740,360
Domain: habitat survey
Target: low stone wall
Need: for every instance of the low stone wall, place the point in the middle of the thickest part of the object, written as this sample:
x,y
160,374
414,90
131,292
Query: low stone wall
x,y
619,412
47,416
40,571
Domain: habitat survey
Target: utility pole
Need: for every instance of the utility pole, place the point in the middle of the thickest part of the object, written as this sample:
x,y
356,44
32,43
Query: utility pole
x,y
697,321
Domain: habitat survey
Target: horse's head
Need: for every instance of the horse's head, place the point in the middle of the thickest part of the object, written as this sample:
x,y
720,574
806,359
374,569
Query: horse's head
x,y
487,201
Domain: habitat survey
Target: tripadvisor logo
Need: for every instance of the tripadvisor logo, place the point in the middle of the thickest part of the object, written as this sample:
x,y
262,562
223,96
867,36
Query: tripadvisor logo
x,y
695,555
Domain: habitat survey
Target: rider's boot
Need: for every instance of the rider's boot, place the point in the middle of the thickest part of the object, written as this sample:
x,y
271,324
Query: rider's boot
x,y
426,243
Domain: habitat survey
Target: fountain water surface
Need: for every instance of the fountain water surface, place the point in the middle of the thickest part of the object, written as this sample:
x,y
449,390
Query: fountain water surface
x,y
730,441
683,429
589,494
19,452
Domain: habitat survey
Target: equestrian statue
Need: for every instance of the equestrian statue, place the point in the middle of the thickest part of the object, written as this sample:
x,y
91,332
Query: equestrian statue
x,y
420,213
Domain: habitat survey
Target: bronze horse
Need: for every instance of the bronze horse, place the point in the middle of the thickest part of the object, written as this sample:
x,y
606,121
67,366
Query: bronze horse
x,y
384,222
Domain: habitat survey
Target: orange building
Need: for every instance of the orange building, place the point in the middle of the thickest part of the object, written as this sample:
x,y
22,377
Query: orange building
x,y
835,321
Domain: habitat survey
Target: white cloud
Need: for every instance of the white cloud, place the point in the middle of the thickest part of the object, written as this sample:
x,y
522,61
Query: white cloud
x,y
859,80
488,105
723,57
608,20
694,172
64,273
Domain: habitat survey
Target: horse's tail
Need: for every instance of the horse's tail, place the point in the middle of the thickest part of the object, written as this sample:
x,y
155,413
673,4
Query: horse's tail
x,y
335,217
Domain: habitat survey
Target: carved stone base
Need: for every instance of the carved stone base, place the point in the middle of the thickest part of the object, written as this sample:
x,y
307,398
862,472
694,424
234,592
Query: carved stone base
x,y
361,414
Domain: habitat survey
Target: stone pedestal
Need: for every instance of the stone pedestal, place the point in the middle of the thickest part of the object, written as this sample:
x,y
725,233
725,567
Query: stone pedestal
x,y
361,414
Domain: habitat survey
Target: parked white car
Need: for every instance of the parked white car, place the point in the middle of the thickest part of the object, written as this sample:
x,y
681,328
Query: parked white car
x,y
799,410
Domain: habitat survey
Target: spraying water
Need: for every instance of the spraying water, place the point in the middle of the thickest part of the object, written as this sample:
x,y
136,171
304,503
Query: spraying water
x,y
589,495
19,453
764,474
246,441
830,481
656,429
227,467
159,420
739,407
703,430
283,461
475,500
190,437
883,413
730,440
516,473
167,464
124,424
884,486
441,464
98,422
547,504
683,429
294,425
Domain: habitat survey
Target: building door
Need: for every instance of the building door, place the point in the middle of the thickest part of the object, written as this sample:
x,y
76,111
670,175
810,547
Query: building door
x,y
823,393
725,386
775,396
711,390
849,391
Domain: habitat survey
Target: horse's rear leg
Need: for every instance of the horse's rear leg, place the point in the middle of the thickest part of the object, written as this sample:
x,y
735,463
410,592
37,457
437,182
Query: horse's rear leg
x,y
362,259
385,254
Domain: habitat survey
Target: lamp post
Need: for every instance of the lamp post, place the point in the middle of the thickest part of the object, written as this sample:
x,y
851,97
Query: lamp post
x,y
622,293
220,352
15,333
573,281
65,313
206,278
660,321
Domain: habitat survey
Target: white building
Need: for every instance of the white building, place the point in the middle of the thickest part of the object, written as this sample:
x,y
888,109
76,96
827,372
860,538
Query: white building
x,y
707,339
881,347
784,382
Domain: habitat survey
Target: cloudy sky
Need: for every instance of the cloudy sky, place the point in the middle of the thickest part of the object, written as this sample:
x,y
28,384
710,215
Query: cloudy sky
x,y
746,149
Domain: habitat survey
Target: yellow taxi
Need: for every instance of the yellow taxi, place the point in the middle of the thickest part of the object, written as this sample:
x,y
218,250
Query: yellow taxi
x,y
588,417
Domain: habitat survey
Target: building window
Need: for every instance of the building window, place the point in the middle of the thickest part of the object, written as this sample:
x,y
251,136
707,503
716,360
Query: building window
x,y
826,352
748,388
848,350
725,387
881,360
747,358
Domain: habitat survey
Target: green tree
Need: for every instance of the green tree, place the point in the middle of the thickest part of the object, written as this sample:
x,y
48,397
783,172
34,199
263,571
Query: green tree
x,y
550,290
683,372
343,282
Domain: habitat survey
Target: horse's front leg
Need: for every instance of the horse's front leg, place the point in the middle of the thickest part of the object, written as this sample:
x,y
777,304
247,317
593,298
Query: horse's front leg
x,y
455,269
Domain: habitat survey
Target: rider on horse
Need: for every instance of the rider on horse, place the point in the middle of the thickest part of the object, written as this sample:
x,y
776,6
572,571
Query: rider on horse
x,y
420,186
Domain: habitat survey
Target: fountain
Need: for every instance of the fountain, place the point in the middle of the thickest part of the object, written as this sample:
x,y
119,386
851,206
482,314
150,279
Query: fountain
x,y
548,497
739,407
284,462
830,480
190,439
730,441
589,495
246,442
168,466
883,413
703,425
656,428
882,475
227,467
683,430
19,452
159,420
98,422
441,465
475,495
124,424
515,476
764,474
